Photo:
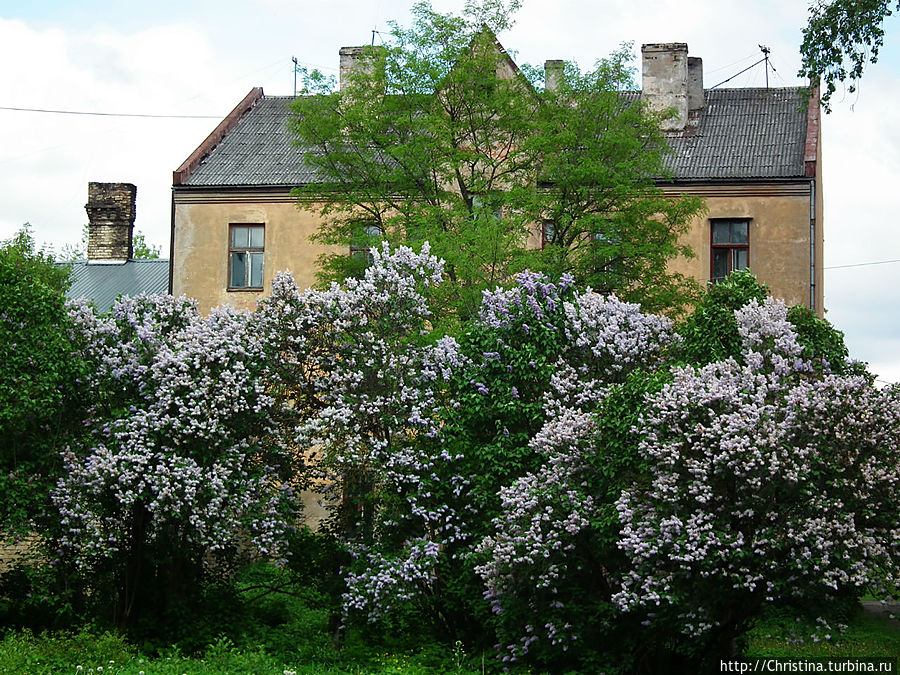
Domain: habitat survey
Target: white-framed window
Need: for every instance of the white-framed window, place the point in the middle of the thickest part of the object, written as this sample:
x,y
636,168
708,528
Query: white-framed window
x,y
246,252
730,246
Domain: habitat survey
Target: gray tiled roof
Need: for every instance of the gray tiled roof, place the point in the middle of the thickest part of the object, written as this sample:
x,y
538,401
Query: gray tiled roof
x,y
744,133
102,284
258,151
741,134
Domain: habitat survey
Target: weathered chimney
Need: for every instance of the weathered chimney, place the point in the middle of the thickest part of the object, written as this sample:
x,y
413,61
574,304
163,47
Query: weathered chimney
x,y
553,74
665,81
696,101
354,58
111,211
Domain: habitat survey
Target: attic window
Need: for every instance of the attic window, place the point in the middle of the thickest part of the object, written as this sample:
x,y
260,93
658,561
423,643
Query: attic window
x,y
245,257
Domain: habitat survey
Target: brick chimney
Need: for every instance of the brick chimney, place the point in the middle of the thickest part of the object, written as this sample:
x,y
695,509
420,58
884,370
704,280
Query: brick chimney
x,y
664,81
111,211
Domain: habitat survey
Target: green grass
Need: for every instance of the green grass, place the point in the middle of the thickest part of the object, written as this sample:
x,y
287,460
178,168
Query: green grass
x,y
109,654
784,635
780,635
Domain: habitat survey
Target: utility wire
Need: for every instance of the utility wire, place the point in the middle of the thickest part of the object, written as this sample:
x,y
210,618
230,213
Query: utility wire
x,y
865,264
726,67
105,114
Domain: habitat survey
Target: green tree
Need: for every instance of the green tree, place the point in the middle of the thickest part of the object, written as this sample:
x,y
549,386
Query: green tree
x,y
439,136
842,36
38,378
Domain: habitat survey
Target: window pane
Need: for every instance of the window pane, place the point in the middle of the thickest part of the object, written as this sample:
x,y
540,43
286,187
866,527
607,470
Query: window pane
x,y
256,236
720,263
549,230
722,233
740,259
739,232
238,270
256,270
240,237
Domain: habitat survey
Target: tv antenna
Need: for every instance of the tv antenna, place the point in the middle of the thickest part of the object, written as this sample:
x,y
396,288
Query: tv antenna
x,y
766,51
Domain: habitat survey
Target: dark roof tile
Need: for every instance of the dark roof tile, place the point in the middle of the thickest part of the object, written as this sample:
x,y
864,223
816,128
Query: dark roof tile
x,y
257,152
740,134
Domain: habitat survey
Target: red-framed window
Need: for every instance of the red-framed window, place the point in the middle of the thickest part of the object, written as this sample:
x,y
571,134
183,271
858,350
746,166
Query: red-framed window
x,y
730,246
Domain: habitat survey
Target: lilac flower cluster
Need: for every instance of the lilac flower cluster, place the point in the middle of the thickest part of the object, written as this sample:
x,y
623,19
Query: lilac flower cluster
x,y
613,337
767,483
179,402
534,292
387,583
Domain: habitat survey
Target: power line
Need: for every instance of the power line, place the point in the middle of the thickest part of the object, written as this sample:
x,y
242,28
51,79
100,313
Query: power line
x,y
106,114
734,63
865,264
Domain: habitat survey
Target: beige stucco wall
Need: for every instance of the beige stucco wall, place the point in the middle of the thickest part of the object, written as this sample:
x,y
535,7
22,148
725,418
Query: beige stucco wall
x,y
200,246
779,235
779,216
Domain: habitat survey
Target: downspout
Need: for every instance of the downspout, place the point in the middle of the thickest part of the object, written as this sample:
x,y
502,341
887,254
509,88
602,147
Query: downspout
x,y
172,245
812,244
811,155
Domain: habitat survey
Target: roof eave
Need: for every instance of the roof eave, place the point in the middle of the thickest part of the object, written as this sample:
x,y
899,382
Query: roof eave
x,y
183,172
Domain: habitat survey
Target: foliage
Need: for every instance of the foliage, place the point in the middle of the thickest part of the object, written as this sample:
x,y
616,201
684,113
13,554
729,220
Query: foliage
x,y
438,136
39,375
607,224
180,459
711,332
841,37
569,479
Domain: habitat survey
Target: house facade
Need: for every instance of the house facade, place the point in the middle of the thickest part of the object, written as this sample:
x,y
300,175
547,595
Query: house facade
x,y
753,154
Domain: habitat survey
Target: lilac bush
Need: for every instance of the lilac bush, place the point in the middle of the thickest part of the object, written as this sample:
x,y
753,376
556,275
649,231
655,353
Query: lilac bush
x,y
178,460
766,484
537,562
364,379
681,500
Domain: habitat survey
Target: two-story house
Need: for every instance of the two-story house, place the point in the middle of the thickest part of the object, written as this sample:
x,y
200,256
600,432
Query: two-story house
x,y
753,154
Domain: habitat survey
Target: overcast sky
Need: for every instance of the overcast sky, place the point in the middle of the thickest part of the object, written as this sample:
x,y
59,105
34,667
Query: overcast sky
x,y
200,57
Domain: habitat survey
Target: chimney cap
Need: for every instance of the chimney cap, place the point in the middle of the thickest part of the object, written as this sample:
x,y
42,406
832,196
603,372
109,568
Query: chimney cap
x,y
664,47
